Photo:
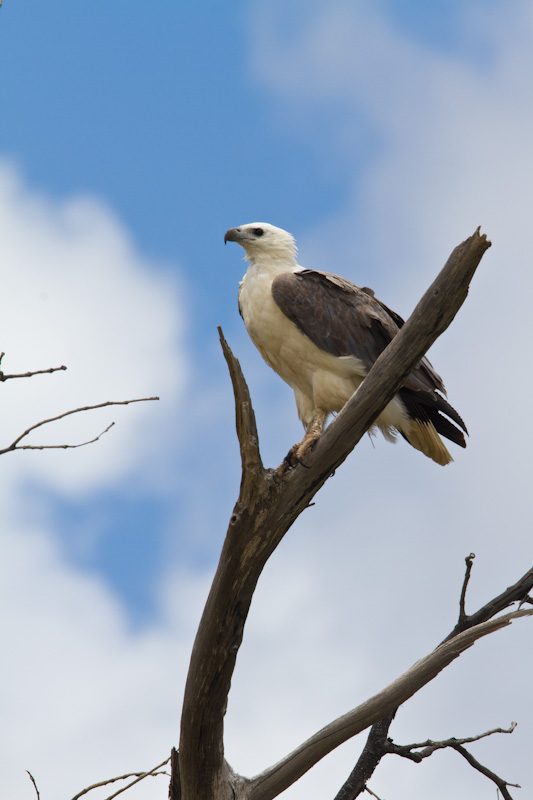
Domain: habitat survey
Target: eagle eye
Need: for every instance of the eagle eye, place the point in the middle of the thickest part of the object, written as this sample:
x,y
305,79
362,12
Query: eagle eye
x,y
258,231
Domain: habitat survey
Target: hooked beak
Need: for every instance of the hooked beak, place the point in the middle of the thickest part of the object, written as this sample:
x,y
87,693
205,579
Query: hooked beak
x,y
233,235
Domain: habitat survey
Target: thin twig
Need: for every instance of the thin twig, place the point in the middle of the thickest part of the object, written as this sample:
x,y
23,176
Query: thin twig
x,y
61,446
430,746
500,783
469,562
4,377
29,773
373,793
138,775
15,445
140,778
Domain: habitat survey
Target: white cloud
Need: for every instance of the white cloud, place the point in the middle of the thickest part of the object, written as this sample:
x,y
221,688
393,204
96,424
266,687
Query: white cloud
x,y
83,698
77,292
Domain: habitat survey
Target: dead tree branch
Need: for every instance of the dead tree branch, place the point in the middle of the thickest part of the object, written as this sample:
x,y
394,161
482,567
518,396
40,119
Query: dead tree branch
x,y
29,773
429,747
139,776
265,510
4,377
371,755
500,783
372,793
517,593
15,445
174,790
469,560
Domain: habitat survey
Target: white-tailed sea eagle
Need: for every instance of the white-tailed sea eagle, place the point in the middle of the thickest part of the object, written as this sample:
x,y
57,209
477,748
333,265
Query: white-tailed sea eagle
x,y
322,334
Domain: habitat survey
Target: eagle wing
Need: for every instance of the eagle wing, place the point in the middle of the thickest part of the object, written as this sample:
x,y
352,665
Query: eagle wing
x,y
345,320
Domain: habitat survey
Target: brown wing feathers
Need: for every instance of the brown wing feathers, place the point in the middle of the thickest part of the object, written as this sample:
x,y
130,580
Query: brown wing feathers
x,y
344,320
335,314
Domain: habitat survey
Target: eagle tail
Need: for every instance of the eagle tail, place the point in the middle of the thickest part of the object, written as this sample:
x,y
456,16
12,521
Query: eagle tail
x,y
426,412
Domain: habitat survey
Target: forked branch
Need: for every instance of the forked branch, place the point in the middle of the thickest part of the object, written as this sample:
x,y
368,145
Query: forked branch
x,y
139,776
15,445
420,750
417,752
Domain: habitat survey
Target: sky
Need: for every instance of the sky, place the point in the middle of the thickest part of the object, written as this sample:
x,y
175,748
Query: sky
x,y
381,134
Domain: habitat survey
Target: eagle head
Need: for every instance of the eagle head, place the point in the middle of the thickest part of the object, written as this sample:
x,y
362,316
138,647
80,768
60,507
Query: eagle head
x,y
260,239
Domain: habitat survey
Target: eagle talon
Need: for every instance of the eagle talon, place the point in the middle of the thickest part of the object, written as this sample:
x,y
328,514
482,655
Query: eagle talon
x,y
289,459
288,463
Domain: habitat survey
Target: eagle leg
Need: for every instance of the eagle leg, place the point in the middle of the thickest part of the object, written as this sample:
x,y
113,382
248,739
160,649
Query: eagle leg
x,y
307,443
312,434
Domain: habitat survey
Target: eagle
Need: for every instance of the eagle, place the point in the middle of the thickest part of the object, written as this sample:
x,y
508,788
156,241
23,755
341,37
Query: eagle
x,y
322,334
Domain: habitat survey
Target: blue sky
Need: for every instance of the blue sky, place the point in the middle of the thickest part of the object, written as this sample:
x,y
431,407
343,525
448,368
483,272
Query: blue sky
x,y
156,112
381,134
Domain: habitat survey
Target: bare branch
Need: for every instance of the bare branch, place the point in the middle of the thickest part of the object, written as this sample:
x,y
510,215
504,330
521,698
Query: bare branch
x,y
4,377
372,793
29,773
252,466
138,775
140,778
429,746
16,446
59,446
500,783
469,562
367,762
517,593
174,790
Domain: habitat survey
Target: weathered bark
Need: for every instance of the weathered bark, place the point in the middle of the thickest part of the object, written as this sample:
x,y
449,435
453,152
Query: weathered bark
x,y
265,510
174,789
371,755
